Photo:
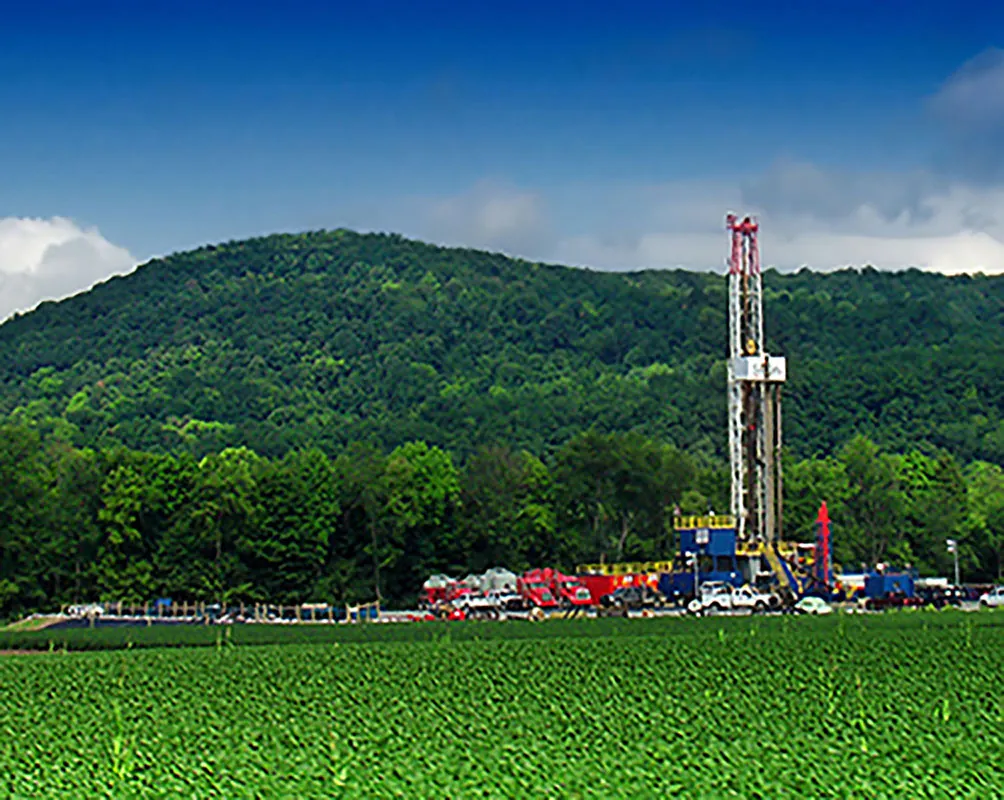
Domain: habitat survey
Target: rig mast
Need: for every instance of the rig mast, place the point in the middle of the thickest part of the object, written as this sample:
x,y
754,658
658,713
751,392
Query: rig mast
x,y
755,379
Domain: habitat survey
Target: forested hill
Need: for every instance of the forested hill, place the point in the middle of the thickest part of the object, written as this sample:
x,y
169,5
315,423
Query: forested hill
x,y
333,337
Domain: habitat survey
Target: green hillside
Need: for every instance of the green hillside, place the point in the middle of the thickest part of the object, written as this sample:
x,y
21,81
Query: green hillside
x,y
334,337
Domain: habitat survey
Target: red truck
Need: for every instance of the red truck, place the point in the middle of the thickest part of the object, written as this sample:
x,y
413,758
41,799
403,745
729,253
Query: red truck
x,y
440,589
568,591
535,590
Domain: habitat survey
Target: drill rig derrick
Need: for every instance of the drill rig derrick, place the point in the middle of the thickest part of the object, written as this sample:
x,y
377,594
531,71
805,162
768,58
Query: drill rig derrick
x,y
754,396
732,548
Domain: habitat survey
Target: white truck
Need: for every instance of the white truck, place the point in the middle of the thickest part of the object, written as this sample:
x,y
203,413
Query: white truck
x,y
87,610
492,604
993,599
505,600
721,596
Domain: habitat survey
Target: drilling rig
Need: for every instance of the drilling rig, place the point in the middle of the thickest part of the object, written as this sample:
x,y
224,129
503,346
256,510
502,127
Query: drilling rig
x,y
733,547
747,545
754,393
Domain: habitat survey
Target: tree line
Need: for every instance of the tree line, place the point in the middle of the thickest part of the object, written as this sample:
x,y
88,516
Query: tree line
x,y
82,524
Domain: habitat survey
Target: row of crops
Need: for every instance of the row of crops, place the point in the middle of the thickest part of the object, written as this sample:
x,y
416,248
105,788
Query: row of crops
x,y
879,707
159,636
146,636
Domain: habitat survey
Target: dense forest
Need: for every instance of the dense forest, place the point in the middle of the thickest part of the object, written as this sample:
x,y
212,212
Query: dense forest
x,y
332,338
334,416
126,525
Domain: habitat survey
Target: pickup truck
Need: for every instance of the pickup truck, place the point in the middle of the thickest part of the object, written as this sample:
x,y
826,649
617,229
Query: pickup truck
x,y
993,599
89,610
477,606
720,596
506,601
490,605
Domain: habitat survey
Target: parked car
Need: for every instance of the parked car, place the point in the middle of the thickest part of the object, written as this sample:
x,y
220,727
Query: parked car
x,y
939,597
813,605
633,597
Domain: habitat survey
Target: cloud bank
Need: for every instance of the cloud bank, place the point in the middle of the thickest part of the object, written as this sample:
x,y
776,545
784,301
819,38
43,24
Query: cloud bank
x,y
828,221
809,218
948,217
49,259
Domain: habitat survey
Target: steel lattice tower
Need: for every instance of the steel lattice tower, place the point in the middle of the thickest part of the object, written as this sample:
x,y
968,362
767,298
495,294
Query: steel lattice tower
x,y
754,386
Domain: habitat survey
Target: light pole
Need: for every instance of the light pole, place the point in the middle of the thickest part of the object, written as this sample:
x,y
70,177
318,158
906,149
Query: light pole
x,y
953,548
692,562
702,536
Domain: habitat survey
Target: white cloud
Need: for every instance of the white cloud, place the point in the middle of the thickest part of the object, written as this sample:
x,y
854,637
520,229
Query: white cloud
x,y
973,97
968,112
49,259
491,215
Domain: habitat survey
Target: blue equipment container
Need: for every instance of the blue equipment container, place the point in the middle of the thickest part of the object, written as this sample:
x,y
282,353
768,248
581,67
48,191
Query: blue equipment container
x,y
713,540
878,584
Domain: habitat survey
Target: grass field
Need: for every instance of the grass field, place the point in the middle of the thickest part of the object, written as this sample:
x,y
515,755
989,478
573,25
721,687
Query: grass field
x,y
891,706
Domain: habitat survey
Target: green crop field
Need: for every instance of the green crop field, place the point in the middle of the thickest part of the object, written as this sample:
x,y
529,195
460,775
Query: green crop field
x,y
893,706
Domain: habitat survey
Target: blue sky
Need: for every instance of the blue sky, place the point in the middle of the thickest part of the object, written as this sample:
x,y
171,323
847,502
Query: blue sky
x,y
860,132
